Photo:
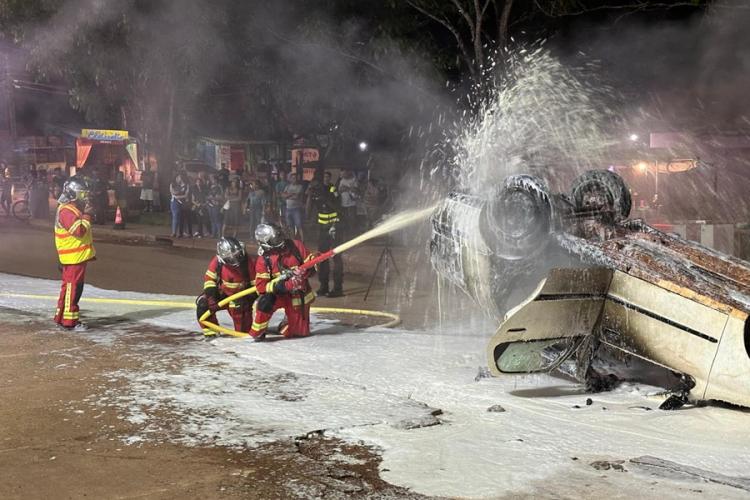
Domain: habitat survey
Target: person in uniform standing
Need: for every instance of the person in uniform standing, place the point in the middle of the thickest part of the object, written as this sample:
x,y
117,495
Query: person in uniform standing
x,y
75,248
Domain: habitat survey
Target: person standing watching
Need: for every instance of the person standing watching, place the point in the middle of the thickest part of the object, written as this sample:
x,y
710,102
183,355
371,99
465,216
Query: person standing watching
x,y
147,189
200,206
75,248
255,204
215,200
232,207
180,193
121,195
100,199
349,195
6,190
294,193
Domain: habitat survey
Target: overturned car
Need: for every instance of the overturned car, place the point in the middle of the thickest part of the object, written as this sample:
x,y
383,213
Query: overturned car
x,y
570,276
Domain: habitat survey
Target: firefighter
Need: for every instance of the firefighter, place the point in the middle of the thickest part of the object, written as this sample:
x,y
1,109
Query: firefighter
x,y
280,285
75,249
230,271
326,199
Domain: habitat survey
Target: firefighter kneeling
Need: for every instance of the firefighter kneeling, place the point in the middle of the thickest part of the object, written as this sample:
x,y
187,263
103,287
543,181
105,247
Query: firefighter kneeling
x,y
280,284
228,273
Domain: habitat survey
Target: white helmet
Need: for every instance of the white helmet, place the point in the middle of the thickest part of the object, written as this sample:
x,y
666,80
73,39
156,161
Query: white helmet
x,y
269,236
230,251
75,189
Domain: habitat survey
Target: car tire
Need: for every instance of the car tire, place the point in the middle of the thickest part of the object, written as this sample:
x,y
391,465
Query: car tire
x,y
517,220
602,192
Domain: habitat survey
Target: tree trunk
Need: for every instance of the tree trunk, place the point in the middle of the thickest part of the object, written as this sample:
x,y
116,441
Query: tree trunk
x,y
502,25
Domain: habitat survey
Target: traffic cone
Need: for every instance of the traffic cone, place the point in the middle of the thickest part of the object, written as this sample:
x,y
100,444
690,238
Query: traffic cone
x,y
119,223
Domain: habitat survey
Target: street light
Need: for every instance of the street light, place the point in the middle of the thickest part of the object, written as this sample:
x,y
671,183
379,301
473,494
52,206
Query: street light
x,y
363,146
633,137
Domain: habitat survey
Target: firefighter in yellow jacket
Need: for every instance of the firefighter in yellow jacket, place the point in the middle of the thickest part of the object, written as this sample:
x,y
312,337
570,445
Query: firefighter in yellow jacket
x,y
74,249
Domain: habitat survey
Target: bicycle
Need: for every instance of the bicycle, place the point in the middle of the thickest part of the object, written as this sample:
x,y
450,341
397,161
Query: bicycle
x,y
20,208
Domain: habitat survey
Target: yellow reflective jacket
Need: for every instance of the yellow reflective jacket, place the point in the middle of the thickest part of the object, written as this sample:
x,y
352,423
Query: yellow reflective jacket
x,y
73,235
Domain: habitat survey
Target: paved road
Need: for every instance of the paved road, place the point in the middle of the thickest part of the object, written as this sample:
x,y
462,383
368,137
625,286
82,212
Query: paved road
x,y
157,268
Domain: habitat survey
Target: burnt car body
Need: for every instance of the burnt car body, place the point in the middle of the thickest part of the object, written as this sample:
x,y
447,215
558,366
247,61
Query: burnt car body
x,y
569,276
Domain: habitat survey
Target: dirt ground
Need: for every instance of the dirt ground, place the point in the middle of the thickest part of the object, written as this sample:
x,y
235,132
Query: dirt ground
x,y
53,445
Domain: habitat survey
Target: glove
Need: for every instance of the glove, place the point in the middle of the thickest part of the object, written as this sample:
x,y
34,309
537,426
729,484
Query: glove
x,y
213,305
332,232
297,281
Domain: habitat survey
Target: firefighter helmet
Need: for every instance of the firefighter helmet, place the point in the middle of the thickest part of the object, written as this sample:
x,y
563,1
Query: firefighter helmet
x,y
76,189
230,251
269,236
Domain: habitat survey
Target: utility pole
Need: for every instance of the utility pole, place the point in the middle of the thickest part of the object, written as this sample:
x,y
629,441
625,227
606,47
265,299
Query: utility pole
x,y
9,101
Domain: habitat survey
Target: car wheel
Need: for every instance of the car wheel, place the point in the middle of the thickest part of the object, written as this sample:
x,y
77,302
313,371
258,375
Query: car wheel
x,y
517,219
602,192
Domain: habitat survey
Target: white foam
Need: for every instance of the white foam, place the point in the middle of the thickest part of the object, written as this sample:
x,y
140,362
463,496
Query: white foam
x,y
371,385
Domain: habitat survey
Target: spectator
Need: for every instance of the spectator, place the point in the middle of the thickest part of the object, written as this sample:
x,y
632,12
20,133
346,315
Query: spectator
x,y
214,202
187,208
33,190
256,205
147,189
200,193
121,194
349,195
42,186
232,207
279,187
223,176
6,189
58,180
180,192
99,197
294,194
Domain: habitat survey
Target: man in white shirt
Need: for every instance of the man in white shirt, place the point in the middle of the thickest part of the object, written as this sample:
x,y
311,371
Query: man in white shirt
x,y
349,195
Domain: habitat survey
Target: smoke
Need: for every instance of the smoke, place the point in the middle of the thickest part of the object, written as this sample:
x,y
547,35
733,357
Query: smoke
x,y
688,76
170,69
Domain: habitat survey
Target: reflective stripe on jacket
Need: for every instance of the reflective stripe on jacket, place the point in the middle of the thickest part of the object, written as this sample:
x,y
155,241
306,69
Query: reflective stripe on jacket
x,y
328,218
73,238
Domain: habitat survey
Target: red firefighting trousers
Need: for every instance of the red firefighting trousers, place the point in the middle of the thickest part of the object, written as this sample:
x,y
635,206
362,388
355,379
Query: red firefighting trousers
x,y
297,316
70,293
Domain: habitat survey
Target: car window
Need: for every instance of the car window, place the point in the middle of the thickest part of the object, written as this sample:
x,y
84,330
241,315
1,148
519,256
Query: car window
x,y
534,355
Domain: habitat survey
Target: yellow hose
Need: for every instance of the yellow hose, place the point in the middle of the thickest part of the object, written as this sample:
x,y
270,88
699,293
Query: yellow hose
x,y
394,318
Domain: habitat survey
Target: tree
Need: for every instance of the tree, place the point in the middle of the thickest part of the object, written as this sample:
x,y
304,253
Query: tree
x,y
134,64
479,27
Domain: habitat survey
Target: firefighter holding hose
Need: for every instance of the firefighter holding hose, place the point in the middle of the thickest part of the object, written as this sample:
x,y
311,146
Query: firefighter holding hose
x,y
230,271
75,248
280,284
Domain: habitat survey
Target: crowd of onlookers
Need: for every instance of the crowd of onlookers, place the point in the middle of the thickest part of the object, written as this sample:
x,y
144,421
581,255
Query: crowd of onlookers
x,y
41,186
38,185
222,203
212,203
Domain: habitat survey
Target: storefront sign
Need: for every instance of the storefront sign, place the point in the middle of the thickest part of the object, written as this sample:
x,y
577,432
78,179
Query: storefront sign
x,y
223,155
104,135
304,155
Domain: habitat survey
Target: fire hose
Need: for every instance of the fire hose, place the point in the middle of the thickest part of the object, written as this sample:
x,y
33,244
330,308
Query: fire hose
x,y
394,319
399,221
